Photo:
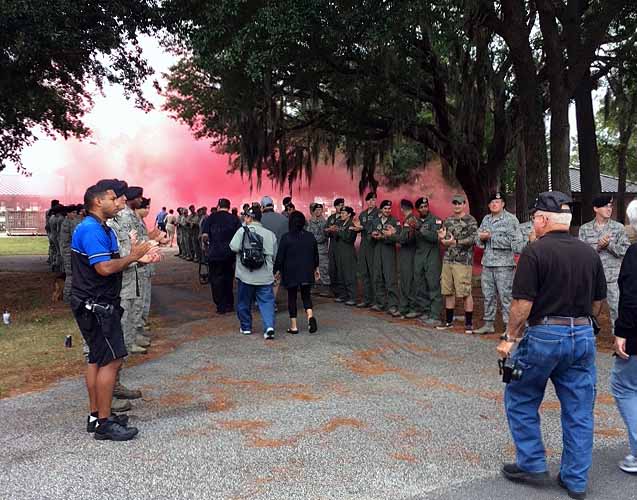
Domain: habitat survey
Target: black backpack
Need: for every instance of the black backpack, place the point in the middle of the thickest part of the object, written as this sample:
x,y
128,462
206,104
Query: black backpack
x,y
252,255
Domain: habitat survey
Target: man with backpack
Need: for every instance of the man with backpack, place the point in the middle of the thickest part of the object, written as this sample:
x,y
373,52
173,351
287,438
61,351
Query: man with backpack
x,y
256,248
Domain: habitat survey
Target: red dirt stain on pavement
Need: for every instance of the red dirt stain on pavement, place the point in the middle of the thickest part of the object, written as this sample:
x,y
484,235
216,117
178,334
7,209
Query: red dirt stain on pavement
x,y
610,432
404,457
335,423
243,425
303,396
550,406
175,399
211,368
221,401
605,399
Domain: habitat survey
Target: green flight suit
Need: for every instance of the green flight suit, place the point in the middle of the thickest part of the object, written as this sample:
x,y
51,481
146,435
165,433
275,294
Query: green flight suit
x,y
427,267
346,260
366,255
385,288
407,240
335,285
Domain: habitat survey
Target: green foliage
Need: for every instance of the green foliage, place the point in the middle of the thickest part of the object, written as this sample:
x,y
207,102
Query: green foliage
x,y
52,51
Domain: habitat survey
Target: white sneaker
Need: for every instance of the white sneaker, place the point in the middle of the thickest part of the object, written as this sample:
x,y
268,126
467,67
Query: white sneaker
x,y
269,334
245,332
628,464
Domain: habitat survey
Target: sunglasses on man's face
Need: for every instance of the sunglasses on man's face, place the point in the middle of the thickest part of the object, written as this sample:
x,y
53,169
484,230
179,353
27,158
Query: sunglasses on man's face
x,y
458,202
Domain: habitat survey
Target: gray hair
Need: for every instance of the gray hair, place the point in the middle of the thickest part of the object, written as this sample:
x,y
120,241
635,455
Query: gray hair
x,y
563,218
631,213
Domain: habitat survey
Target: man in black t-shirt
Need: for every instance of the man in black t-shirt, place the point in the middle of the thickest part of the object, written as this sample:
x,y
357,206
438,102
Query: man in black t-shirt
x,y
216,231
558,287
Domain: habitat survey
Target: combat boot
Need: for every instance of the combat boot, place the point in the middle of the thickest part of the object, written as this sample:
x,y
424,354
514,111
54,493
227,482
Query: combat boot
x,y
412,315
120,405
122,392
486,328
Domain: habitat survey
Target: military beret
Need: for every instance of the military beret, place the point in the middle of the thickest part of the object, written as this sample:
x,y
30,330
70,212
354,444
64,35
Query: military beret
x,y
339,201
552,201
145,203
134,192
422,201
349,210
602,200
370,196
286,200
314,206
404,203
119,187
385,203
498,195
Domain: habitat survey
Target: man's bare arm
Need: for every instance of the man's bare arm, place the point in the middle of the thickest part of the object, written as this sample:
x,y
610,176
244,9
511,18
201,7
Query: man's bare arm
x,y
519,313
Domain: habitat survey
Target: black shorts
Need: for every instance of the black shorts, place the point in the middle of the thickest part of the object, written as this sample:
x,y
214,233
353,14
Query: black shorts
x,y
104,337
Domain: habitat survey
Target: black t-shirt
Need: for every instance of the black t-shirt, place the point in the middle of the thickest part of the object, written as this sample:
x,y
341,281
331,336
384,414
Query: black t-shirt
x,y
561,275
220,228
626,323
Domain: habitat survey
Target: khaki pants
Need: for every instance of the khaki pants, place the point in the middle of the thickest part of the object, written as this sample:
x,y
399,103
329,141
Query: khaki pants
x,y
455,279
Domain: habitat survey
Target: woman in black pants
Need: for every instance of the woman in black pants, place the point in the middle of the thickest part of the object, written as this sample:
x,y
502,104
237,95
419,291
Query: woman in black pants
x,y
297,264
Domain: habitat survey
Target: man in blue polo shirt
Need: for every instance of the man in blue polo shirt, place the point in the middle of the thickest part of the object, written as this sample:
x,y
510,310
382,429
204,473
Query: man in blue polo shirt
x,y
97,277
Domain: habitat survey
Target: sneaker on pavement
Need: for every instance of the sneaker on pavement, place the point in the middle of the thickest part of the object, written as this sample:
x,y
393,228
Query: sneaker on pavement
x,y
443,326
513,473
338,299
411,315
111,430
363,305
118,405
468,328
577,495
245,332
350,303
629,464
91,425
122,392
486,328
269,334
376,308
137,349
142,341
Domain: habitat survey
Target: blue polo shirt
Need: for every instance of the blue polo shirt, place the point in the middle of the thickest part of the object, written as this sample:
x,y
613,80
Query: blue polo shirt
x,y
92,243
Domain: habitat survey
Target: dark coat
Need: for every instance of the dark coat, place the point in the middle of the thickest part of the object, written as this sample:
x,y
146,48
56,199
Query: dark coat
x,y
220,228
297,259
626,322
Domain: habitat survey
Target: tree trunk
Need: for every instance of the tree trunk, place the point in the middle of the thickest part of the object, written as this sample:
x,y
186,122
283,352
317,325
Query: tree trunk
x,y
521,199
587,146
478,182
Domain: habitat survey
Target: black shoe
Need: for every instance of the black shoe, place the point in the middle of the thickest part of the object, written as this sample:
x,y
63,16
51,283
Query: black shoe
x,y
120,419
112,431
578,495
350,303
513,473
313,324
293,332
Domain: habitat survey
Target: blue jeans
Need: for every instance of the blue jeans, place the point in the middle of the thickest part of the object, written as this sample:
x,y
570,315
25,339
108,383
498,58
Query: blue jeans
x,y
566,356
623,384
264,297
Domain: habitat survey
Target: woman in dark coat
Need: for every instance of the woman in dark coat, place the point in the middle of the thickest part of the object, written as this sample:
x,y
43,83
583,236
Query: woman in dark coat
x,y
623,379
297,264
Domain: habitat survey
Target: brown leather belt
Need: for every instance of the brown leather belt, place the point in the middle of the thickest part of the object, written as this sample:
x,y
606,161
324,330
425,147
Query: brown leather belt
x,y
562,321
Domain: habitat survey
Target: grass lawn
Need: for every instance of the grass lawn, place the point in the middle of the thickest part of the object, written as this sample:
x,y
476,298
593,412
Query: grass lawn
x,y
24,245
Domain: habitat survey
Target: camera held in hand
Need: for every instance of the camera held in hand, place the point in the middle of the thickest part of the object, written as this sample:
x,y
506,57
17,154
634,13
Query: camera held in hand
x,y
509,370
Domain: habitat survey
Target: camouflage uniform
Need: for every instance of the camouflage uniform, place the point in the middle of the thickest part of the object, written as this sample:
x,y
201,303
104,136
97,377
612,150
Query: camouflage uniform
x,y
525,229
406,256
145,273
55,224
463,230
366,255
130,295
195,244
344,240
335,285
181,233
190,249
611,257
385,289
427,267
498,263
66,234
317,228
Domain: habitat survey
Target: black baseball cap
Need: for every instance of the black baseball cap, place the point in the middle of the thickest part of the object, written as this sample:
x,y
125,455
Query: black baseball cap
x,y
552,201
